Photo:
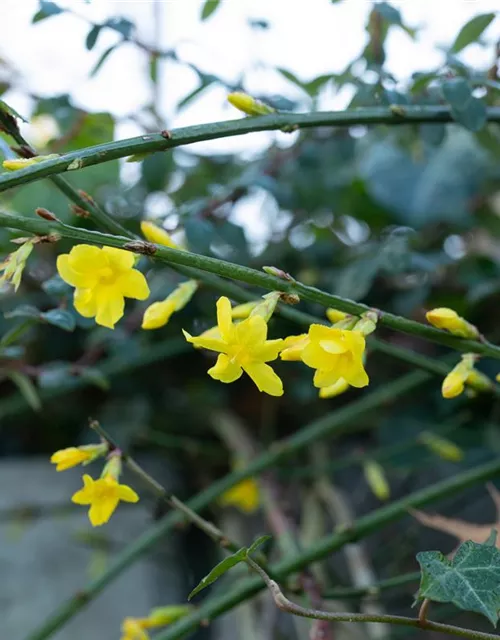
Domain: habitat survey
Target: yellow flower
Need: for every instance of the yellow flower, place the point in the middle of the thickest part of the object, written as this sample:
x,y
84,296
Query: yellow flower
x,y
293,347
335,316
244,495
242,347
73,456
447,319
133,629
103,496
249,105
158,314
156,234
102,279
335,354
22,163
13,266
337,388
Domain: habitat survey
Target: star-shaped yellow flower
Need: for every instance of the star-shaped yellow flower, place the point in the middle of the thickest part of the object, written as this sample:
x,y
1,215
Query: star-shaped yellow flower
x,y
245,496
103,496
335,354
133,629
103,279
242,347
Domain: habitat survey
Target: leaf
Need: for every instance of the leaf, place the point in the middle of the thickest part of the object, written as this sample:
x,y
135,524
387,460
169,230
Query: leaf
x,y
27,389
209,7
219,570
471,31
56,286
257,543
11,111
94,376
47,9
122,25
457,91
388,12
473,116
60,318
23,311
471,580
461,529
92,36
102,60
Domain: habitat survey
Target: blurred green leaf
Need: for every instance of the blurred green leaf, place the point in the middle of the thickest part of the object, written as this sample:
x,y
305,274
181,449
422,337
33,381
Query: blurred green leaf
x,y
257,543
472,31
102,59
121,25
95,377
220,570
155,170
47,9
472,116
26,388
60,318
209,7
92,36
11,111
457,91
470,580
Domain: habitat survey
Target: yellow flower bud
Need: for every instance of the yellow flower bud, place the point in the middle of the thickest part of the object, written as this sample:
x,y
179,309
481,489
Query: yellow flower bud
x,y
334,315
73,456
21,163
266,308
249,105
367,323
445,449
376,479
161,616
156,234
15,263
242,311
447,319
158,314
454,383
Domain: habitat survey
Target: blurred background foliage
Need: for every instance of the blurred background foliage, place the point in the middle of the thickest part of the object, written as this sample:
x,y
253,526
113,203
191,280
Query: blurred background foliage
x,y
402,218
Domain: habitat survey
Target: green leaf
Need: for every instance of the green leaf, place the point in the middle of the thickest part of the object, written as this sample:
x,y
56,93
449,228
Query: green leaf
x,y
27,389
388,12
209,7
473,116
220,570
23,311
122,25
60,318
9,110
56,286
92,36
102,60
156,170
457,91
47,9
94,376
471,580
471,31
257,543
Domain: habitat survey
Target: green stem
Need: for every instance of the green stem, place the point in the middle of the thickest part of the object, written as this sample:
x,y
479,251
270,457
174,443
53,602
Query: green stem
x,y
214,130
373,590
252,277
334,423
326,546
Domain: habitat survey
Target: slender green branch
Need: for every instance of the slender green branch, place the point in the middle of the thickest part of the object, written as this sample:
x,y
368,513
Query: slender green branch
x,y
286,605
215,130
373,590
252,277
332,424
360,529
100,215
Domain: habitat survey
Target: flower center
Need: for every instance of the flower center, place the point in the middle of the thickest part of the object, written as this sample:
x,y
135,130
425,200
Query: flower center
x,y
107,275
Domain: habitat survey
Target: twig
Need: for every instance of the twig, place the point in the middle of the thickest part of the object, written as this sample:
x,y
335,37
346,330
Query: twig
x,y
250,276
284,604
422,612
214,130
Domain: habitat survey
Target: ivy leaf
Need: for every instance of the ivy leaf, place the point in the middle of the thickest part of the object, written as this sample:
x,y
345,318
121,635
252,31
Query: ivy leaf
x,y
220,569
471,580
209,7
471,31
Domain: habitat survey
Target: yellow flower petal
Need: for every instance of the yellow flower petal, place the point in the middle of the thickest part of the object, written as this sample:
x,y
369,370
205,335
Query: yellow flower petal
x,y
158,314
225,370
110,306
85,303
337,388
265,378
119,259
133,284
214,344
245,496
102,510
126,494
293,346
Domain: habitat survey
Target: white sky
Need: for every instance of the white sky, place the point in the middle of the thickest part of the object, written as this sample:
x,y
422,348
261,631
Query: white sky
x,y
308,37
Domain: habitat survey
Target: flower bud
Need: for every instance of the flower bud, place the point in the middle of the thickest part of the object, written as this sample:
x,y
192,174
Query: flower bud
x,y
440,446
266,308
249,105
339,387
447,319
376,479
21,163
334,315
